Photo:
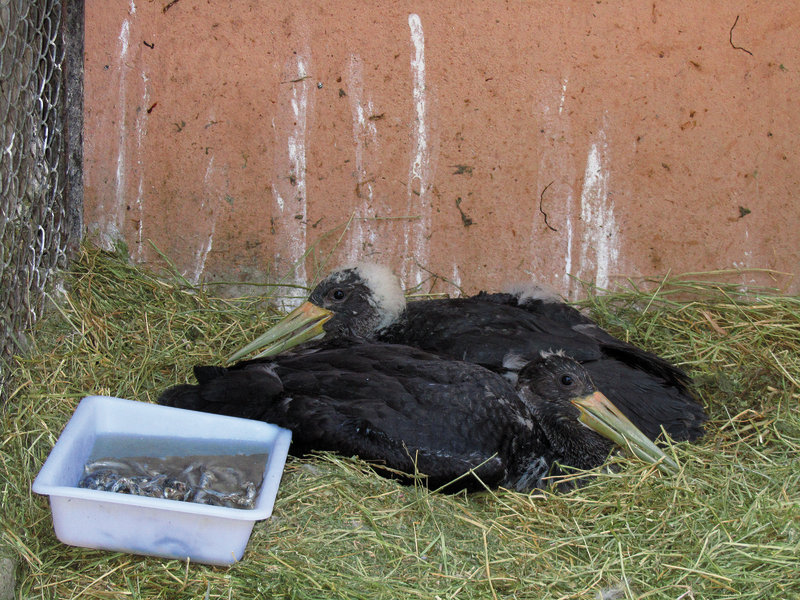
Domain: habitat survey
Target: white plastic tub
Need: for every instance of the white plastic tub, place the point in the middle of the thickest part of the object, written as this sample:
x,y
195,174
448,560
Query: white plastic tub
x,y
142,525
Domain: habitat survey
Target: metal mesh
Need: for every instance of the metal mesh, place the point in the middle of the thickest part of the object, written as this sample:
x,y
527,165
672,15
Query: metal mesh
x,y
34,227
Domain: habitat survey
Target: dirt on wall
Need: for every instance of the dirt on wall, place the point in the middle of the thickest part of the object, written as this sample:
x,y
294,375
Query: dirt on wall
x,y
465,144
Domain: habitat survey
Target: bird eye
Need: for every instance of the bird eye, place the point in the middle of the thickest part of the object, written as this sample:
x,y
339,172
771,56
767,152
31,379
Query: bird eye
x,y
567,380
337,294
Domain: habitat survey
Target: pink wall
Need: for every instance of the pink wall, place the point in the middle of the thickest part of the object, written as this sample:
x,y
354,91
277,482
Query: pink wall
x,y
433,136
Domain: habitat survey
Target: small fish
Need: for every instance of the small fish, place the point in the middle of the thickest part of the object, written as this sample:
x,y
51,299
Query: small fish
x,y
201,479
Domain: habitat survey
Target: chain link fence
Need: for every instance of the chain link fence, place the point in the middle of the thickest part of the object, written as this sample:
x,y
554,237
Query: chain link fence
x,y
36,224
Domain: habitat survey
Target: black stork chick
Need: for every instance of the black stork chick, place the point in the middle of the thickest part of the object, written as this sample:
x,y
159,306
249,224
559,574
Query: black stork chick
x,y
414,412
499,331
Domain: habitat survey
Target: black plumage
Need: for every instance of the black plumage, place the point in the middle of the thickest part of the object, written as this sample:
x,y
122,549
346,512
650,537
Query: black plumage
x,y
486,328
413,411
502,331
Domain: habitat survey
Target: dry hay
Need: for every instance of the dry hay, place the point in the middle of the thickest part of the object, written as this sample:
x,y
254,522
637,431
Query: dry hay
x,y
728,526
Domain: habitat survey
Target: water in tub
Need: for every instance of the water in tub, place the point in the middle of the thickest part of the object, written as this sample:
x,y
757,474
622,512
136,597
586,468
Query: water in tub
x,y
192,470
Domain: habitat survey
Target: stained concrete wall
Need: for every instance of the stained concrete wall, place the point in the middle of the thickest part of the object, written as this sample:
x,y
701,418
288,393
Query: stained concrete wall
x,y
480,142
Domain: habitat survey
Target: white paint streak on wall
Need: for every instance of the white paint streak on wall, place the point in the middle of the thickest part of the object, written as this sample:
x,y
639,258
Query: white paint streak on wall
x,y
110,228
600,243
747,279
141,132
297,160
555,173
289,184
420,173
563,96
212,189
456,278
566,286
278,200
362,237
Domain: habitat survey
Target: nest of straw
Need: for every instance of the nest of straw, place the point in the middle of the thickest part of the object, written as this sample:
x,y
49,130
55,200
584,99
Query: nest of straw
x,y
728,526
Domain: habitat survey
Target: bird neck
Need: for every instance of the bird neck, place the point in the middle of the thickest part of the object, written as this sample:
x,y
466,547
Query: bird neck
x,y
574,444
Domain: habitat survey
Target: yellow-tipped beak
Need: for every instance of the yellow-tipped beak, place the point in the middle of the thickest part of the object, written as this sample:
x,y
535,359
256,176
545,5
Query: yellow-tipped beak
x,y
599,414
302,324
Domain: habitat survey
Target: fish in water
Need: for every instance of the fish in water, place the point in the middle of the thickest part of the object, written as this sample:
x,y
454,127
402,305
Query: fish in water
x,y
500,331
231,481
458,424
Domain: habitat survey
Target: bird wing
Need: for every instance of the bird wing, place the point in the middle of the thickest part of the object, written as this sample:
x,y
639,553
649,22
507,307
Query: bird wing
x,y
380,436
244,391
401,407
485,328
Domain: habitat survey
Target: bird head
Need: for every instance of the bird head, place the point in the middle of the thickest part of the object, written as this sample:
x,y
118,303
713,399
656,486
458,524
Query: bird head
x,y
578,418
354,301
